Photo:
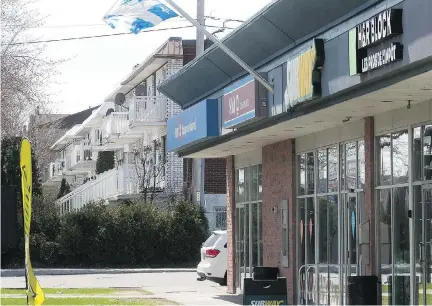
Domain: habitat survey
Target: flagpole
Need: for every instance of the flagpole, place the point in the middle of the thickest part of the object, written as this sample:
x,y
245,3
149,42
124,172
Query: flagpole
x,y
231,54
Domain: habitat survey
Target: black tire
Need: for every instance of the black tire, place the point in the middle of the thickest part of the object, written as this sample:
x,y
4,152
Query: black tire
x,y
224,282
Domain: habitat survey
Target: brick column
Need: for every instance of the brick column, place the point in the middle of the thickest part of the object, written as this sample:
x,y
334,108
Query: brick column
x,y
369,203
230,192
278,174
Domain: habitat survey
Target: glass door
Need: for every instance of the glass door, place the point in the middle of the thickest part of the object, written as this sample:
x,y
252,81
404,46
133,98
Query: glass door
x,y
242,239
248,240
424,248
349,243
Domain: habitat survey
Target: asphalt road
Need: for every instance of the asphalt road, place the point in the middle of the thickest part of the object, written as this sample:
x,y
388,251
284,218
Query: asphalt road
x,y
181,287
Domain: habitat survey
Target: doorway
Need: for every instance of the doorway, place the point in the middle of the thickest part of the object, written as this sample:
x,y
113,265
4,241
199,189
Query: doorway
x,y
423,246
248,240
350,248
248,220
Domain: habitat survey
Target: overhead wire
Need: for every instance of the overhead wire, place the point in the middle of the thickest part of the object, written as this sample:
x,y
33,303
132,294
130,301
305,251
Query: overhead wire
x,y
106,35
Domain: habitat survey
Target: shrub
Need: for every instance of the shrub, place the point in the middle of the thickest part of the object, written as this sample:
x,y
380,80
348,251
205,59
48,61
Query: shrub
x,y
131,235
64,189
105,161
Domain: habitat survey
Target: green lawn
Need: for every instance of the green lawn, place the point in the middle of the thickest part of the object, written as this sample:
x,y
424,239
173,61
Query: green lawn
x,y
90,301
428,286
80,291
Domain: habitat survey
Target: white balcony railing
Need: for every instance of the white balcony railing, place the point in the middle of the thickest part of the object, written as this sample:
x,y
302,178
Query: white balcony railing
x,y
57,168
148,109
110,184
80,155
114,124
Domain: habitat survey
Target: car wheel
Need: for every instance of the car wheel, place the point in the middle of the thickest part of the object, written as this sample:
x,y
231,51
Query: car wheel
x,y
224,282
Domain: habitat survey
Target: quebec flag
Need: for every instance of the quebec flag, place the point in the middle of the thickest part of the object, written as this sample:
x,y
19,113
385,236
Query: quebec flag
x,y
138,14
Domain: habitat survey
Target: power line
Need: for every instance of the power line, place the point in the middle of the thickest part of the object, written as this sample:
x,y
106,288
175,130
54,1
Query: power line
x,y
104,35
104,24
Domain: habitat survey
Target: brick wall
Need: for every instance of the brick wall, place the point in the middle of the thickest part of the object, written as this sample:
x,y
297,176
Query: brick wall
x,y
230,188
215,175
278,171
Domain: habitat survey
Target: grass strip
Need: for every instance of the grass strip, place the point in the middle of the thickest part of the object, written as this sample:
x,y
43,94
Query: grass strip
x,y
90,301
93,291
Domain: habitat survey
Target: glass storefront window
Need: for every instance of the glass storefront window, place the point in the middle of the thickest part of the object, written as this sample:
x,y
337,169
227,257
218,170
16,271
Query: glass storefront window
x,y
248,221
301,161
351,165
333,169
310,231
384,160
322,171
427,152
328,229
321,212
310,173
361,165
400,157
240,174
260,187
417,154
254,183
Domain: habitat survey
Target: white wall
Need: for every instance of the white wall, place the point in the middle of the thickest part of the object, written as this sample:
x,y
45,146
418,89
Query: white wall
x,y
248,159
346,132
403,117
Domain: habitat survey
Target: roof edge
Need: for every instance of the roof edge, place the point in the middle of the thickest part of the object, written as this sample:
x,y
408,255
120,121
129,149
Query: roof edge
x,y
380,82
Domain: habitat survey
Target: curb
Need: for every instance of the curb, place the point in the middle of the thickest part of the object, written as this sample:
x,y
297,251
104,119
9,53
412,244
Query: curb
x,y
20,272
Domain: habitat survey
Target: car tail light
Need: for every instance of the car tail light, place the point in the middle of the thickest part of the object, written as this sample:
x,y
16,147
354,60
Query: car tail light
x,y
212,253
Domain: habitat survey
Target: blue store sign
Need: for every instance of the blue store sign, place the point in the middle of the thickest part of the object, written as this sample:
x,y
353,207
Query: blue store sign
x,y
194,124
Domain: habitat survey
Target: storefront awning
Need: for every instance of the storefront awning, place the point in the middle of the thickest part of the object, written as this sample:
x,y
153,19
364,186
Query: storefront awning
x,y
278,27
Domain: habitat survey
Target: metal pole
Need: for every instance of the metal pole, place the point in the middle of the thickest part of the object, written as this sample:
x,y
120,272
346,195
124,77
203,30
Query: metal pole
x,y
198,176
200,33
222,46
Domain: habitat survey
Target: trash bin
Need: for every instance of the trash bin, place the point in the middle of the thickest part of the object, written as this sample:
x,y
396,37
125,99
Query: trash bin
x,y
363,290
265,287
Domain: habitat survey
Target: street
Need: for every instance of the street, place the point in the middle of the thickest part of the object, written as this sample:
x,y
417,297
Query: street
x,y
181,287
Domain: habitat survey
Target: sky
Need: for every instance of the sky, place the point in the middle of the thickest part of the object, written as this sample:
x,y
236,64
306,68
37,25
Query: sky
x,y
94,67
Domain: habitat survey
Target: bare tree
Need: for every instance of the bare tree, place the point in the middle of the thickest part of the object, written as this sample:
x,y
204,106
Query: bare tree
x,y
150,165
25,71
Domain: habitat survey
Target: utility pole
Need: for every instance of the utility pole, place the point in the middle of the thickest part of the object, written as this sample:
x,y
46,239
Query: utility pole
x,y
197,163
200,33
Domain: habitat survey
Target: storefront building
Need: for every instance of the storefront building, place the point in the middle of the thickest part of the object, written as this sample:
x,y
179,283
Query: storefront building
x,y
330,175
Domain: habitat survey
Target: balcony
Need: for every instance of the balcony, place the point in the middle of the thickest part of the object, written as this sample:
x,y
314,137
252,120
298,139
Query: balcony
x,y
113,126
80,158
55,172
115,184
147,112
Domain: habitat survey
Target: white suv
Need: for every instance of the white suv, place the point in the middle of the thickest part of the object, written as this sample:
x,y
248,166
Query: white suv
x,y
213,265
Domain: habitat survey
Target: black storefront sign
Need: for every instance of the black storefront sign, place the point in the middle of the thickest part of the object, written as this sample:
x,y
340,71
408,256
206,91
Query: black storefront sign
x,y
383,57
372,32
265,287
379,28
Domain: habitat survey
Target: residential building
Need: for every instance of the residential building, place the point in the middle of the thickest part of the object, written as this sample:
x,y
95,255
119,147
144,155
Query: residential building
x,y
132,124
329,174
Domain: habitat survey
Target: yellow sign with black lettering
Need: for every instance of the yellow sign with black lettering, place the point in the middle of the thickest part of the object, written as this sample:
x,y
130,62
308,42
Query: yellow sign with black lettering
x,y
35,294
304,75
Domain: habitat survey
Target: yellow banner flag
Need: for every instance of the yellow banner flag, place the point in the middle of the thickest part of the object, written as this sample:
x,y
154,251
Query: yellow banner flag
x,y
35,294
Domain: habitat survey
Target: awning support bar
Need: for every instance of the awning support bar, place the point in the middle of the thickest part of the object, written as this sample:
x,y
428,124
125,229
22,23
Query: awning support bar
x,y
231,54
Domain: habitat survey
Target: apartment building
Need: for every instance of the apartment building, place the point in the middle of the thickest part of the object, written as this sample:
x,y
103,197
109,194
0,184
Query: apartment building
x,y
132,123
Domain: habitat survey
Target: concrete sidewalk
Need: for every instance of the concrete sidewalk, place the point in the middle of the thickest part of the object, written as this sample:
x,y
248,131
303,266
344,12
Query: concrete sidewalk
x,y
20,272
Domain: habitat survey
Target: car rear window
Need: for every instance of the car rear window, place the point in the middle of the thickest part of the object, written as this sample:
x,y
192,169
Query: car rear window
x,y
211,240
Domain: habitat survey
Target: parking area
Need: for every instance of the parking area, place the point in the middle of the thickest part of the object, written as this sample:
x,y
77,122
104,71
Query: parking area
x,y
181,287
